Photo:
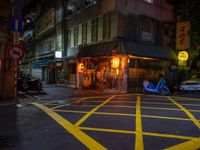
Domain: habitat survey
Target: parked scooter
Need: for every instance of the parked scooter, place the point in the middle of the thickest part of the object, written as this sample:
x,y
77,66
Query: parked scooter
x,y
161,88
26,83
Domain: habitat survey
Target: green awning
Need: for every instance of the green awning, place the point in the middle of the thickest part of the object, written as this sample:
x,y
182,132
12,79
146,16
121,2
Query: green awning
x,y
125,47
95,50
151,51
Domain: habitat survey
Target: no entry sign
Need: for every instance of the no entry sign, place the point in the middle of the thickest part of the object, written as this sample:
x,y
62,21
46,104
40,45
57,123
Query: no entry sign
x,y
16,52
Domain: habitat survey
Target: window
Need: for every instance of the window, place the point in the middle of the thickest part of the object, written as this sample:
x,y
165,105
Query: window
x,y
106,26
149,1
76,36
146,25
121,26
94,30
59,15
84,33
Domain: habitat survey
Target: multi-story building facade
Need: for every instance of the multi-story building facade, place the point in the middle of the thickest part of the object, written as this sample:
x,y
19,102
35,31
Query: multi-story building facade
x,y
7,66
116,44
43,38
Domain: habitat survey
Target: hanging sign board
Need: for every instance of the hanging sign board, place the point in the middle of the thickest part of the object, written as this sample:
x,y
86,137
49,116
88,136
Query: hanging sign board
x,y
182,36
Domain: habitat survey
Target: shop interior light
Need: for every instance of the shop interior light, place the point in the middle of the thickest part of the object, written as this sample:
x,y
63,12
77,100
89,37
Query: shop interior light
x,y
81,67
115,62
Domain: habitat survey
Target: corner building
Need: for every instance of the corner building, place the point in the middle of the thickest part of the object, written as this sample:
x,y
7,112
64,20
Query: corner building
x,y
115,45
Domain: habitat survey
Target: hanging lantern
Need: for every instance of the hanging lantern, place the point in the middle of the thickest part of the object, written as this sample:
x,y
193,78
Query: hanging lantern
x,y
115,62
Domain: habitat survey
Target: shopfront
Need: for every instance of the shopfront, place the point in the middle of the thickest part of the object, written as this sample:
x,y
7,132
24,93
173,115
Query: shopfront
x,y
121,66
103,73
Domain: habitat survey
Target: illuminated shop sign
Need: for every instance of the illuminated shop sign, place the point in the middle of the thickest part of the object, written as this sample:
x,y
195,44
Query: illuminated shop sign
x,y
183,56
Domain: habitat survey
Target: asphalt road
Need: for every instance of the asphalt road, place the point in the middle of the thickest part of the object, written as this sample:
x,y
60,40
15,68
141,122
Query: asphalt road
x,y
114,122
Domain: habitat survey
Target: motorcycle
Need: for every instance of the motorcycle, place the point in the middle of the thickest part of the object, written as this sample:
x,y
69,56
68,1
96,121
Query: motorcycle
x,y
26,84
161,87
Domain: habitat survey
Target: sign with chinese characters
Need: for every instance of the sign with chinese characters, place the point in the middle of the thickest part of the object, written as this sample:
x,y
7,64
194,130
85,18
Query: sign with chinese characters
x,y
182,37
183,56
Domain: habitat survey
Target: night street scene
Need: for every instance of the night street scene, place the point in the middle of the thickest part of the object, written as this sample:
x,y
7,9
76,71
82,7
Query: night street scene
x,y
100,74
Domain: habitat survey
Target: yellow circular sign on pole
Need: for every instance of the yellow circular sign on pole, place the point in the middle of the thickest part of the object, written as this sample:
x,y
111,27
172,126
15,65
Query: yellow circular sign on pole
x,y
183,55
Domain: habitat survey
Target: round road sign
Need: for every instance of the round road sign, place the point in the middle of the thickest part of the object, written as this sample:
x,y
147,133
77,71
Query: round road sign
x,y
16,52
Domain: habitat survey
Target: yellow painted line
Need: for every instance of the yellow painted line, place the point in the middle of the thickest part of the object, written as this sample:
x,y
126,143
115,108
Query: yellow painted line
x,y
144,107
191,104
120,106
169,136
71,111
52,104
194,110
114,114
193,144
107,130
168,118
183,98
92,111
194,120
122,114
133,132
56,107
76,132
139,145
132,102
186,98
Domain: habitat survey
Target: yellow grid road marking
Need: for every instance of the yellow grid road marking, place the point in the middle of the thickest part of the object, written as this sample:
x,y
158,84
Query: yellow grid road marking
x,y
133,132
88,101
194,120
92,111
139,145
182,98
144,107
123,114
76,132
193,144
175,109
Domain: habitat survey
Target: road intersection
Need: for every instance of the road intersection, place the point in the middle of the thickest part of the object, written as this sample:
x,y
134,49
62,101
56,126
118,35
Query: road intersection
x,y
129,121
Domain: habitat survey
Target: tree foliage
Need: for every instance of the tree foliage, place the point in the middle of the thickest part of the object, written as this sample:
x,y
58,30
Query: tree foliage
x,y
190,10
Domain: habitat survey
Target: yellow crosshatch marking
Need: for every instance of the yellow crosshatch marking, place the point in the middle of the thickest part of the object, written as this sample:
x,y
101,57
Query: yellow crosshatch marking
x,y
92,111
139,137
144,133
139,133
76,132
164,103
194,144
195,121
123,114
